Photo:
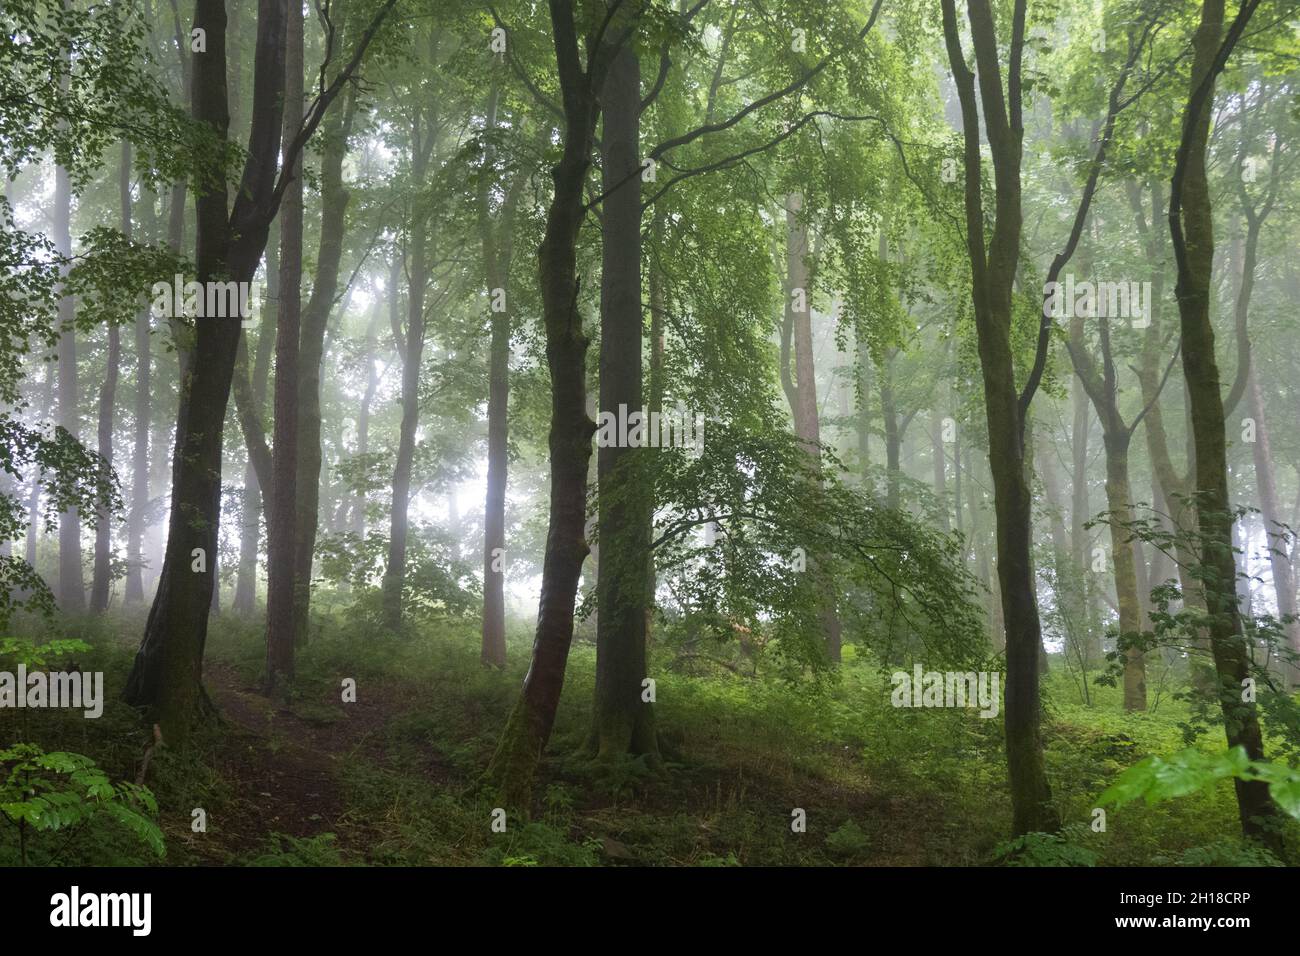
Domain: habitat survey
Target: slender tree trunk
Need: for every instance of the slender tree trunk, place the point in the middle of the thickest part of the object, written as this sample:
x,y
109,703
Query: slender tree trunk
x,y
72,595
101,578
529,726
315,319
993,275
281,623
803,389
34,496
1279,559
1191,227
358,525
395,575
1119,501
940,473
863,418
250,532
135,520
893,438
493,648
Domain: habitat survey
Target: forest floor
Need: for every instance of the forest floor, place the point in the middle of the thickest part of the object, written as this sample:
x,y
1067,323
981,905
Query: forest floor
x,y
391,778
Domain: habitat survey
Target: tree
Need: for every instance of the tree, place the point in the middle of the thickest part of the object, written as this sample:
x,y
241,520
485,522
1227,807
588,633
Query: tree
x,y
1192,233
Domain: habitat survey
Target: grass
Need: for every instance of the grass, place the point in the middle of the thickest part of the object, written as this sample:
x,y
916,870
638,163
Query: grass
x,y
391,779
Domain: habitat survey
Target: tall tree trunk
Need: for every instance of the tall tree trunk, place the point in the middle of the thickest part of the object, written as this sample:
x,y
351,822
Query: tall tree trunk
x,y
135,519
167,675
395,574
863,417
1191,228
281,625
1119,499
315,319
1279,559
250,387
993,274
358,524
529,726
101,578
72,594
623,722
802,389
893,436
497,268
940,473
34,496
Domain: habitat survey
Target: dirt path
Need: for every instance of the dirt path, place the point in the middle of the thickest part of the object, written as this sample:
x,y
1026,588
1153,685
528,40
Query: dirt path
x,y
283,772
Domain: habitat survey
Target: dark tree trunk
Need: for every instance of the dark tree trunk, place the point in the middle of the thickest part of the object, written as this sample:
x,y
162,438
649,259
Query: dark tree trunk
x,y
993,275
623,722
529,726
281,626
315,318
167,675
1191,228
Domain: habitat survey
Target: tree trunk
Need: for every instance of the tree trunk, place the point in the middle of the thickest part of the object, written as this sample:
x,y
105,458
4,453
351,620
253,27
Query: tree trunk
x,y
135,519
101,578
1119,502
167,675
623,722
250,532
334,203
529,726
358,525
497,268
1279,559
993,274
395,574
1191,227
802,390
281,528
72,595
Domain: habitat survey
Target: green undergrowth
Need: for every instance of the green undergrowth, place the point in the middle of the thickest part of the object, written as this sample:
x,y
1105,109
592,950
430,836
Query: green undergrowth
x,y
744,760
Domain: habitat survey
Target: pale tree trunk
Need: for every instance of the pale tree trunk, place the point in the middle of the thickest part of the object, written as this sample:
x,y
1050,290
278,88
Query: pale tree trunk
x,y
101,578
802,389
135,519
71,594
358,523
1278,556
